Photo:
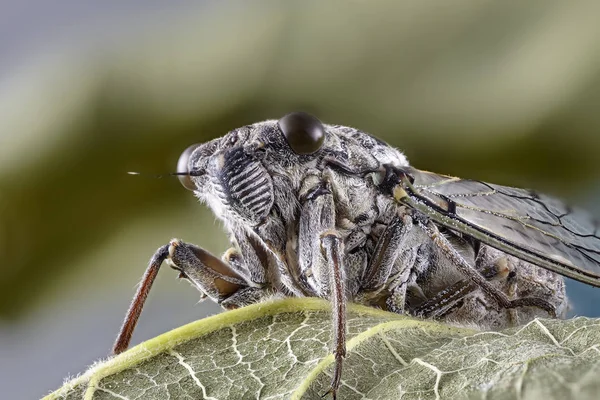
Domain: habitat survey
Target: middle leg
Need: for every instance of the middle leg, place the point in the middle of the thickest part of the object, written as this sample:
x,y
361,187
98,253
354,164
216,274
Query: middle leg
x,y
321,261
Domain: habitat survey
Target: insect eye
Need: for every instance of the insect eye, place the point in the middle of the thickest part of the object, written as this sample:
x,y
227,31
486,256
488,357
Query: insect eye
x,y
183,167
304,133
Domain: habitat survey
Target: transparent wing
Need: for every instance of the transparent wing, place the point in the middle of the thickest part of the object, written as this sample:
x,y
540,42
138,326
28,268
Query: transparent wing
x,y
534,227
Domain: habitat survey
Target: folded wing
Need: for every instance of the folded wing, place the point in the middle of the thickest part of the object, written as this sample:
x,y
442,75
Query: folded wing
x,y
534,227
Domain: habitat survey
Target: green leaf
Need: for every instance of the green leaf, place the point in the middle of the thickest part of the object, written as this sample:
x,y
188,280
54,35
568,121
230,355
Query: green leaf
x,y
280,350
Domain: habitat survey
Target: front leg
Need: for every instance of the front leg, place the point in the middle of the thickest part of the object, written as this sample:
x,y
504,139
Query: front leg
x,y
210,275
214,277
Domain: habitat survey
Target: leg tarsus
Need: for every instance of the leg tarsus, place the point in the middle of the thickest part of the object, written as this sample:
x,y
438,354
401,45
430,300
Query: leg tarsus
x,y
336,379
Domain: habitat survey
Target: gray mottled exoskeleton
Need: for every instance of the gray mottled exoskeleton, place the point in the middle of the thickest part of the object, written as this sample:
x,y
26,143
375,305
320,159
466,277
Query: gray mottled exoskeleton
x,y
330,211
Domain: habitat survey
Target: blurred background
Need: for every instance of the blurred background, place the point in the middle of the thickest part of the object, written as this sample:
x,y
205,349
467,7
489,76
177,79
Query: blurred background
x,y
507,92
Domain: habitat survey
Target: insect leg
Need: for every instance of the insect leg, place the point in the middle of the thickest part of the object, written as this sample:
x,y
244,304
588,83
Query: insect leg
x,y
234,259
317,216
207,272
445,299
214,277
321,255
135,309
254,255
261,257
513,317
386,253
333,251
210,275
463,266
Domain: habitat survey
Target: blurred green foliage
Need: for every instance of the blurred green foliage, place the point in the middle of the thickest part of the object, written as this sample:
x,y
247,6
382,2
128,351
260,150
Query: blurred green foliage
x,y
504,92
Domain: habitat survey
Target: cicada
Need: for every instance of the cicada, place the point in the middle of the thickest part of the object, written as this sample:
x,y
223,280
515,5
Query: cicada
x,y
330,211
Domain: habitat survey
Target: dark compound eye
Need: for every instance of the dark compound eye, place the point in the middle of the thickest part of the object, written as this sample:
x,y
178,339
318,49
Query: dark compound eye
x,y
304,133
183,167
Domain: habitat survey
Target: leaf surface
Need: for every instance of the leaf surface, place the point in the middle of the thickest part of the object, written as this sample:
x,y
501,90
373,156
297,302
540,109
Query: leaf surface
x,y
280,350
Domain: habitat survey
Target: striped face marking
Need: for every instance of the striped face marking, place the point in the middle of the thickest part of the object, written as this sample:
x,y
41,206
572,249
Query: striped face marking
x,y
242,183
